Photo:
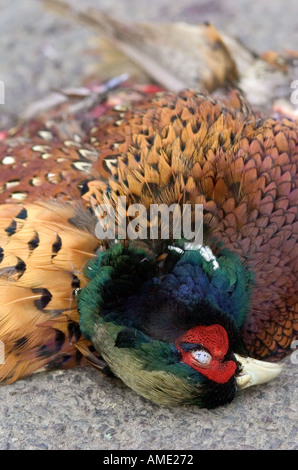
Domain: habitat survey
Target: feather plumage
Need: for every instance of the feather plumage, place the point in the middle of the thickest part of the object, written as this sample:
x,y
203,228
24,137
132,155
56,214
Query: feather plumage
x,y
243,169
42,259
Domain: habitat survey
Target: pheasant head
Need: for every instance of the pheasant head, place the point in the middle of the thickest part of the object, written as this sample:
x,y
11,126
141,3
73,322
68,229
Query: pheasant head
x,y
171,332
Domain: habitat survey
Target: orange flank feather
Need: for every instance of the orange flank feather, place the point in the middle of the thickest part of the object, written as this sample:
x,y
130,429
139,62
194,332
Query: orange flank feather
x,y
43,254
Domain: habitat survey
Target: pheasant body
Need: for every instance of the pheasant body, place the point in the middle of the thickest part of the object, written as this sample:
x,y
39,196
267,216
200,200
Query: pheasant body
x,y
141,308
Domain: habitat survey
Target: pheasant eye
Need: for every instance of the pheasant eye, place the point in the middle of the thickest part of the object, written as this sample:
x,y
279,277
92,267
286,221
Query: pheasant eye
x,y
202,356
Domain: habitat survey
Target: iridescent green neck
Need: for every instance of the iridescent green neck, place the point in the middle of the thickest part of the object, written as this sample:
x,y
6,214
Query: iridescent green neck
x,y
121,272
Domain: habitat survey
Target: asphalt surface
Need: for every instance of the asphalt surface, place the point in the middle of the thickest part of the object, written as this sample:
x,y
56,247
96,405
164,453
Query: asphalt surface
x,y
81,409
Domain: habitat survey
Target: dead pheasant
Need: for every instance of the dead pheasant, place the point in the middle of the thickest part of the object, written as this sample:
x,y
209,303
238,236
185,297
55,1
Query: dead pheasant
x,y
169,322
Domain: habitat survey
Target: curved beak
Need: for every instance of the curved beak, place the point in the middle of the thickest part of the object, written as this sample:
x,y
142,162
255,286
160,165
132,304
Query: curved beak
x,y
256,372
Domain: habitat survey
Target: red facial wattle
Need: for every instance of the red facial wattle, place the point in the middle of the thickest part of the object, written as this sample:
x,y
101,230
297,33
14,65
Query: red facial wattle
x,y
213,339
